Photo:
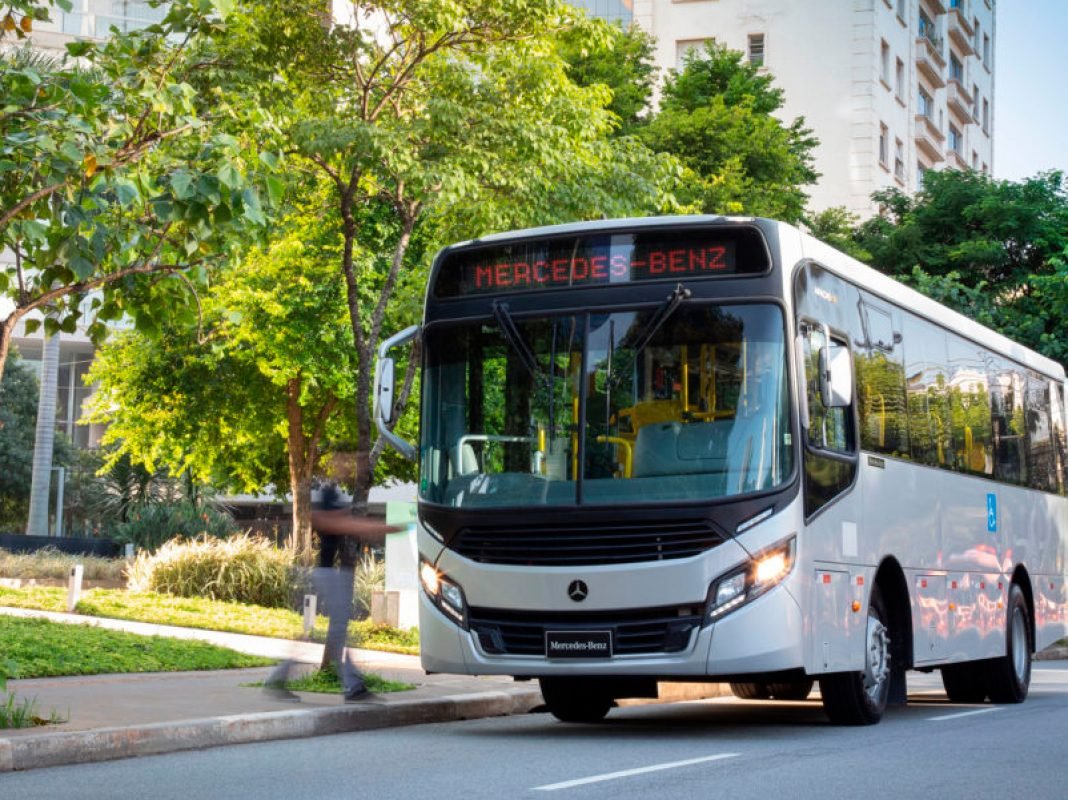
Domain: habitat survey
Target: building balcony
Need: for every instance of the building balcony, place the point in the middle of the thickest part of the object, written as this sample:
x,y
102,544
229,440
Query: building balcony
x,y
955,160
960,102
929,60
961,32
933,7
929,139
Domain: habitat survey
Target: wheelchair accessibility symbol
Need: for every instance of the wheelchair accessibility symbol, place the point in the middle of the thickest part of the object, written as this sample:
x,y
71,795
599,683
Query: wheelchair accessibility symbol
x,y
992,513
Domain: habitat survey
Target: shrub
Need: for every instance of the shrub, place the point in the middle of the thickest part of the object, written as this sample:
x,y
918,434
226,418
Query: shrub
x,y
152,524
50,563
241,568
370,576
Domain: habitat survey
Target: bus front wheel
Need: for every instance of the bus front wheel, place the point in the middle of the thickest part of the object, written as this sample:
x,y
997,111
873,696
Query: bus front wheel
x,y
571,700
1009,677
859,698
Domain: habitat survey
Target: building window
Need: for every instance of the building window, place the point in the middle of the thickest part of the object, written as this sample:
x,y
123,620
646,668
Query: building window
x,y
926,104
928,29
901,15
975,102
976,39
756,49
986,50
975,160
620,11
884,144
956,69
899,79
956,141
921,170
899,160
986,115
95,18
986,169
686,46
884,62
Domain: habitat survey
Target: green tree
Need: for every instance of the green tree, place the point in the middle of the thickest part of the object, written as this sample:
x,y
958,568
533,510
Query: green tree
x,y
717,117
993,250
248,399
431,117
623,61
116,173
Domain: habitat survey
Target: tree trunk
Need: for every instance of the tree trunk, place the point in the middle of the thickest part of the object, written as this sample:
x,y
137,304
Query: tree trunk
x,y
7,328
44,441
301,464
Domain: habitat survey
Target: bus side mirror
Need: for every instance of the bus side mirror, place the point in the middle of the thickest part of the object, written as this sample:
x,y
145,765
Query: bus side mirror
x,y
836,376
385,384
384,381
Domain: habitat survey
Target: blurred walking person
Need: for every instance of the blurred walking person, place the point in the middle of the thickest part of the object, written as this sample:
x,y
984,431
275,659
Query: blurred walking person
x,y
341,537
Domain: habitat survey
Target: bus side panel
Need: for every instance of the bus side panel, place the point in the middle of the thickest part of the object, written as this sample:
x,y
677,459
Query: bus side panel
x,y
835,632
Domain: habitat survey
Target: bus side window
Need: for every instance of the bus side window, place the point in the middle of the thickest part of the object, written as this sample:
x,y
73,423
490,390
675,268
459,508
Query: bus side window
x,y
828,428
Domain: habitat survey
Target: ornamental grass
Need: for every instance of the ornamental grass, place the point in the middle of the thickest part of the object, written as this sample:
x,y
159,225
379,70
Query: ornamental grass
x,y
243,568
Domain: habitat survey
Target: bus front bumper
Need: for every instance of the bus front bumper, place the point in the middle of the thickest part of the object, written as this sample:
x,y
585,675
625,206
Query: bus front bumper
x,y
762,637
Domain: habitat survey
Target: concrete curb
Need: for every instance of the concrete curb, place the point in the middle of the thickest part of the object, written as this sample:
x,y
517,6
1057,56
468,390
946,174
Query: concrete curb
x,y
1052,654
106,744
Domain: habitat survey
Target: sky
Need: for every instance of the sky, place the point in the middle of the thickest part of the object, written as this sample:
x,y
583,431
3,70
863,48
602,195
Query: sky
x,y
1030,88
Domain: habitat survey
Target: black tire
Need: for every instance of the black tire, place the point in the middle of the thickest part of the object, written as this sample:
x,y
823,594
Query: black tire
x,y
572,700
791,690
965,683
859,698
1009,676
750,691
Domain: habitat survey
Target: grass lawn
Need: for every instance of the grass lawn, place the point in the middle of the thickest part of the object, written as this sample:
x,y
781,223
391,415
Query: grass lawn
x,y
216,615
325,681
42,649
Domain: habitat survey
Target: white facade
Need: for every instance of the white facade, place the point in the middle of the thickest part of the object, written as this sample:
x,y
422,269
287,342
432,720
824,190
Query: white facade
x,y
890,87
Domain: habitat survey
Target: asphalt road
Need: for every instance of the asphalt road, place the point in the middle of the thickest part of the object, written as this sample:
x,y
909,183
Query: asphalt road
x,y
723,748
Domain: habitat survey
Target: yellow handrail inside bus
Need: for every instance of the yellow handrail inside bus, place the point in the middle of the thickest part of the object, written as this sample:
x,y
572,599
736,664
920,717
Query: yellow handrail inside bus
x,y
628,452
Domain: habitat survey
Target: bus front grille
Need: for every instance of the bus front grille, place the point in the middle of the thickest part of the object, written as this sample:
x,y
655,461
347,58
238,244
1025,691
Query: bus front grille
x,y
584,545
634,632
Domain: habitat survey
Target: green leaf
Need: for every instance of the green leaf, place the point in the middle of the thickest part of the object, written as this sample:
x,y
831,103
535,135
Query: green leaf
x,y
252,210
275,189
32,326
269,159
126,191
81,267
229,176
182,184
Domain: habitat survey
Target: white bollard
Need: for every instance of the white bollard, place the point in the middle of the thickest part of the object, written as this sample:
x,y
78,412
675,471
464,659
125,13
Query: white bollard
x,y
309,614
74,587
129,550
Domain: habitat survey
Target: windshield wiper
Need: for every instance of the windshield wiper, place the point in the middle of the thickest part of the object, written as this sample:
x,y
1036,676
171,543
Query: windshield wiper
x,y
667,308
662,315
516,340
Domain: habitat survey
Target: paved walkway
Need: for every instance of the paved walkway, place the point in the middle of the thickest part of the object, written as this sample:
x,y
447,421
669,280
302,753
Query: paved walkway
x,y
116,716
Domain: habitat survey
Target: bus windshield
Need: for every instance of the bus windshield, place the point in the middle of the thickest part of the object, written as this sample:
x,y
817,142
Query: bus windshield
x,y
687,403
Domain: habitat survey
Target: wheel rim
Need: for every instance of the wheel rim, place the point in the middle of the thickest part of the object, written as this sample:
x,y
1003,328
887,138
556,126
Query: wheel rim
x,y
1019,644
877,666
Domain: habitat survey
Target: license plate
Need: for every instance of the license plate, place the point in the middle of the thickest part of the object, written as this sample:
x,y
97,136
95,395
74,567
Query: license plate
x,y
578,644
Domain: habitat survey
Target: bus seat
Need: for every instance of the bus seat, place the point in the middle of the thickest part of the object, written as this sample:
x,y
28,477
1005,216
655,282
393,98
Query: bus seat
x,y
655,450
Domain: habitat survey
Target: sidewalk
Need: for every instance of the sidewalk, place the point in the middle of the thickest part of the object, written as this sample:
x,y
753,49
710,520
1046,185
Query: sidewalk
x,y
118,716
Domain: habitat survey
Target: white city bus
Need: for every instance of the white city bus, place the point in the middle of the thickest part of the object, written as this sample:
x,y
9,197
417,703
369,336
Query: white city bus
x,y
716,449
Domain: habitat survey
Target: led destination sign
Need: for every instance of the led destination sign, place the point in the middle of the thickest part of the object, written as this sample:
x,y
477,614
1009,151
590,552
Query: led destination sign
x,y
601,260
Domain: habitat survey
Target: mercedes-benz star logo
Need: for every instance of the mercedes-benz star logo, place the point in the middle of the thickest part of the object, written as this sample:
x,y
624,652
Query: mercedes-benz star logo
x,y
577,591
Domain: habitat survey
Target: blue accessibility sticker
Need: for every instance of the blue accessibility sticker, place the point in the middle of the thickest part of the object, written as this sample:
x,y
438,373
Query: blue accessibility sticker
x,y
992,513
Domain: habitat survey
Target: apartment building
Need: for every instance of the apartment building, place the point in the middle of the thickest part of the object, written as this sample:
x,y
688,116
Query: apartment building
x,y
891,88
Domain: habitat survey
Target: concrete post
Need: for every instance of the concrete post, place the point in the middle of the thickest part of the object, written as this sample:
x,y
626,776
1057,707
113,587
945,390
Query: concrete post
x,y
74,587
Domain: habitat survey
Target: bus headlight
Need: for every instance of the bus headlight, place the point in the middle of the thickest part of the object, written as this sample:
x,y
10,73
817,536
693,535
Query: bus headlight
x,y
446,594
747,582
